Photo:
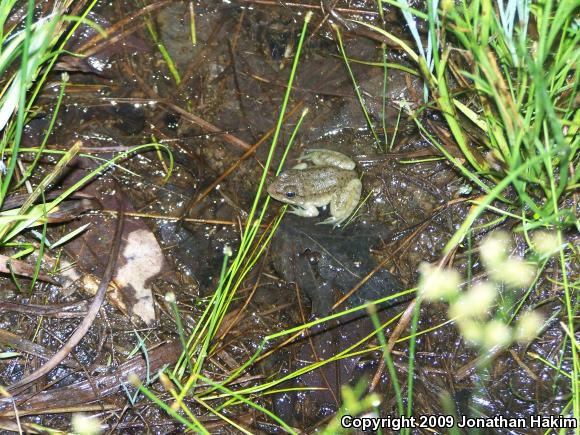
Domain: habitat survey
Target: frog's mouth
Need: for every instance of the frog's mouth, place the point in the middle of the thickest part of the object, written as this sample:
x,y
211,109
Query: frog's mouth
x,y
274,193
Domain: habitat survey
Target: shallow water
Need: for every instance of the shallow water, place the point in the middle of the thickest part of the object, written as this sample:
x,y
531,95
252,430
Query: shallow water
x,y
227,98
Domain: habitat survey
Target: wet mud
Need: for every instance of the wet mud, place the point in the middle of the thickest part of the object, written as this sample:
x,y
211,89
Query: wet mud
x,y
226,98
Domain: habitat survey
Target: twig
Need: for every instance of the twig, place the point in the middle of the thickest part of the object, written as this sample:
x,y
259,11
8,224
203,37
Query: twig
x,y
62,311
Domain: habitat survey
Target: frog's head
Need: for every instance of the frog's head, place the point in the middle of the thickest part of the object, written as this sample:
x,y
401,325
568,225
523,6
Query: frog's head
x,y
286,189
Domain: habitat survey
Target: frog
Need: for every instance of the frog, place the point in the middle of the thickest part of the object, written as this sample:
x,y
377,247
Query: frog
x,y
321,178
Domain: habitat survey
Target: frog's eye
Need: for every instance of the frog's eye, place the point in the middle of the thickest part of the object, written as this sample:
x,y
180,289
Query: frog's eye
x,y
290,194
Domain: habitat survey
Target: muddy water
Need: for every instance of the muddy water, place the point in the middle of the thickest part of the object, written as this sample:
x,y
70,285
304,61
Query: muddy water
x,y
234,79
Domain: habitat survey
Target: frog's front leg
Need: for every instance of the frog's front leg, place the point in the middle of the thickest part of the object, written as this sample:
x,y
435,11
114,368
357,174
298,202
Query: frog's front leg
x,y
305,210
344,202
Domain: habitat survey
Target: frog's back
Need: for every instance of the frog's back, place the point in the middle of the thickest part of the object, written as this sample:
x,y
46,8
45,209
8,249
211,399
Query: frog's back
x,y
322,180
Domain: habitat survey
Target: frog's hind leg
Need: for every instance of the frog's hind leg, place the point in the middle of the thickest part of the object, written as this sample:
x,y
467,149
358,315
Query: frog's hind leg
x,y
320,157
344,202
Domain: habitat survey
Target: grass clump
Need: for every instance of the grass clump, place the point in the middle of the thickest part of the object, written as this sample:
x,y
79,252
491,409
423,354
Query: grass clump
x,y
26,53
504,77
